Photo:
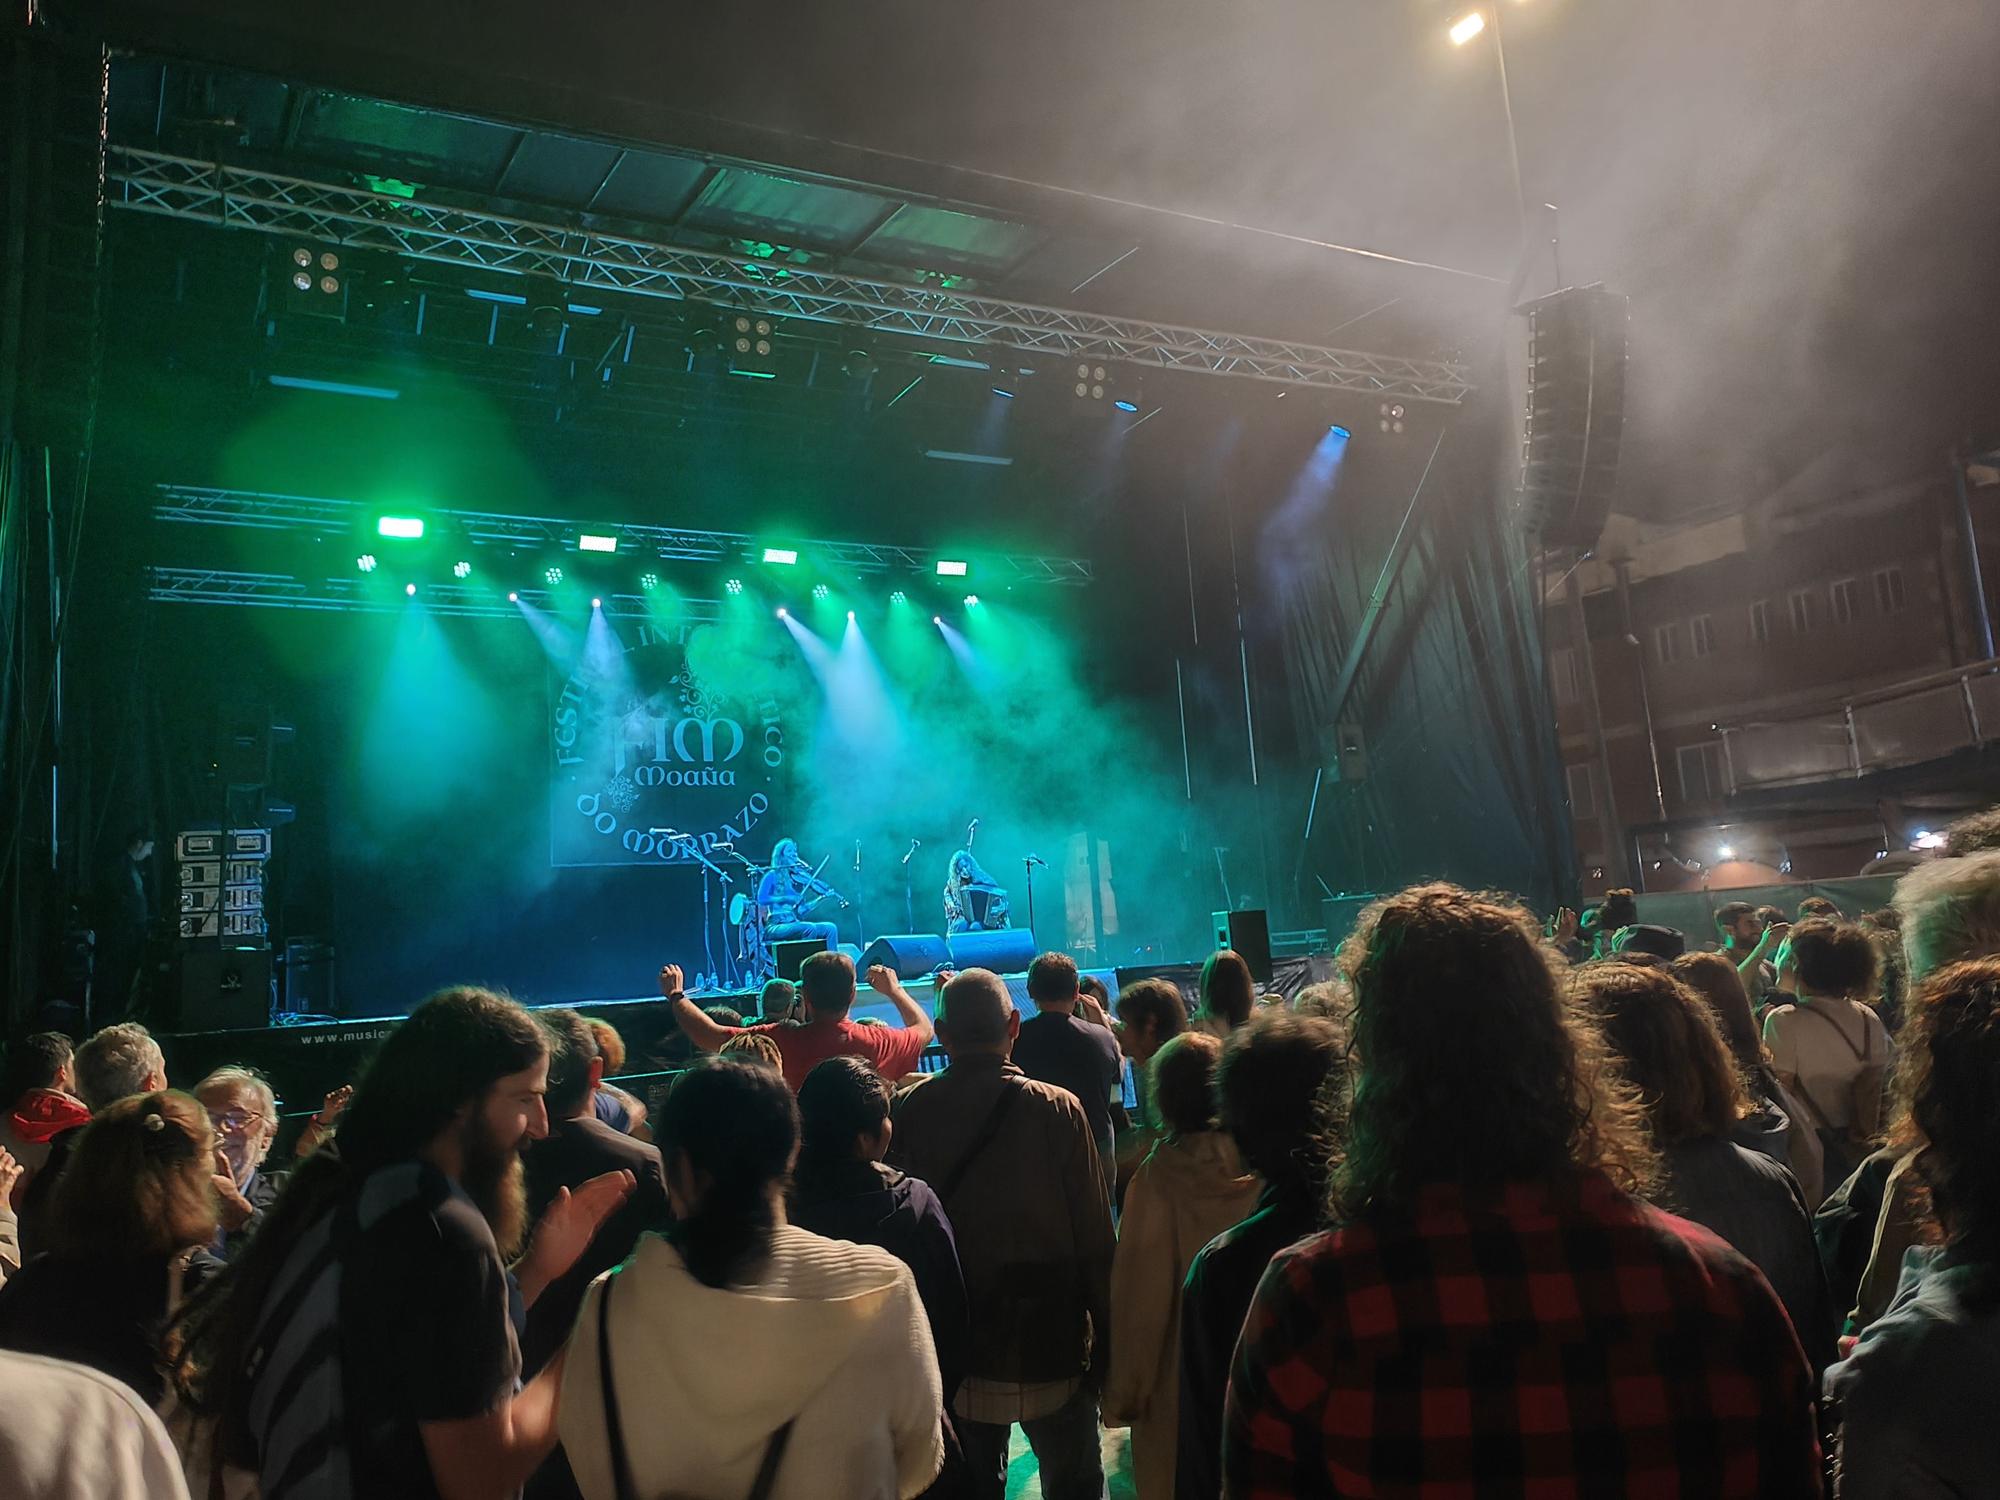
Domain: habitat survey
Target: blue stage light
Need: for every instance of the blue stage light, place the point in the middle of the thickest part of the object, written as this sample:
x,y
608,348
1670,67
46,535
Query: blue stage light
x,y
1340,432
1003,391
1124,405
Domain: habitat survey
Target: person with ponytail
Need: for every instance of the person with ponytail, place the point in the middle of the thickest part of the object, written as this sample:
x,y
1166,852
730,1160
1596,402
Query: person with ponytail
x,y
845,1191
739,1353
118,1241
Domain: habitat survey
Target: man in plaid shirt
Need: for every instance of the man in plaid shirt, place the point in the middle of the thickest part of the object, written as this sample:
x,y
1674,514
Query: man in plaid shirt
x,y
1498,1314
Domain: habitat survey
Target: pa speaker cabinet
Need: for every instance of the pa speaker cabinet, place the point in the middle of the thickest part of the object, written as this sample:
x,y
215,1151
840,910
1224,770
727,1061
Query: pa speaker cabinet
x,y
791,956
1007,950
912,955
224,989
1249,933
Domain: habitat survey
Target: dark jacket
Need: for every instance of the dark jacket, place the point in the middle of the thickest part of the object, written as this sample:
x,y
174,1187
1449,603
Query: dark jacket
x,y
573,1152
104,1311
1215,1299
872,1204
1755,1205
1028,1212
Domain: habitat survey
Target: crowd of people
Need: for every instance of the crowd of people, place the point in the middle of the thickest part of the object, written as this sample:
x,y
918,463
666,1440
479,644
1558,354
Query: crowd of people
x,y
1504,1208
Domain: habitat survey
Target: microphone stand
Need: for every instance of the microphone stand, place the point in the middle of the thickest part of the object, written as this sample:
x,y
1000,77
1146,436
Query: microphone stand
x,y
909,900
688,844
860,910
1029,864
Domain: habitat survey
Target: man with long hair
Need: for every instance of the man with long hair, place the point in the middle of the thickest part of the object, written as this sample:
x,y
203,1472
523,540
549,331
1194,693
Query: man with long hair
x,y
1495,1310
367,1340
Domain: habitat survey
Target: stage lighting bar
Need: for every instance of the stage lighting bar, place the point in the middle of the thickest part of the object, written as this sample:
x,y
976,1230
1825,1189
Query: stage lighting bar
x,y
589,542
784,556
351,594
243,198
406,528
947,568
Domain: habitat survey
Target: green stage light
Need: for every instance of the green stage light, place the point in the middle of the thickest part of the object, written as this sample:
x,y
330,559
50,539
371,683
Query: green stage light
x,y
365,562
734,586
649,581
410,589
820,591
971,601
947,568
899,597
461,569
407,528
589,543
553,575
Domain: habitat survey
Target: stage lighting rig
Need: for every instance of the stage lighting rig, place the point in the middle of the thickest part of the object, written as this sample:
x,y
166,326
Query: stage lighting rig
x,y
750,347
461,569
1090,379
1390,416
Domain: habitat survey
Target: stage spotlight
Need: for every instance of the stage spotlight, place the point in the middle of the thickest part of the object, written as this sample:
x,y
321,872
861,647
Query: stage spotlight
x,y
1123,405
365,562
410,589
1340,432
597,604
315,268
750,349
461,569
850,614
649,581
971,601
1725,851
512,597
820,591
783,556
1466,27
1003,392
783,613
553,575
1090,382
404,528
937,619
948,569
1391,414
899,597
734,586
589,543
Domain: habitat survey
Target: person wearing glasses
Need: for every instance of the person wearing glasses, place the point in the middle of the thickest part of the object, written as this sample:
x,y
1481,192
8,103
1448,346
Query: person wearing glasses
x,y
244,1112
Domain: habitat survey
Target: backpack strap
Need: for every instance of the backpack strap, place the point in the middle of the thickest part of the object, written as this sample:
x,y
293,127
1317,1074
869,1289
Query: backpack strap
x,y
1862,1052
774,1453
987,1131
621,1461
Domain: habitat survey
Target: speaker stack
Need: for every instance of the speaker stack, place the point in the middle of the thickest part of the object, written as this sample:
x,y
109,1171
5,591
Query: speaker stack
x,y
1576,414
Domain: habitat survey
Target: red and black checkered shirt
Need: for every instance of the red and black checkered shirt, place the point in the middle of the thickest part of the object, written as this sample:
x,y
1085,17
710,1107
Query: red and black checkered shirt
x,y
1544,1339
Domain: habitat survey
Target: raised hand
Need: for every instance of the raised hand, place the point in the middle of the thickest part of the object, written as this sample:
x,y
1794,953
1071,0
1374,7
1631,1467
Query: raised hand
x,y
672,980
882,979
334,1106
10,1174
236,1209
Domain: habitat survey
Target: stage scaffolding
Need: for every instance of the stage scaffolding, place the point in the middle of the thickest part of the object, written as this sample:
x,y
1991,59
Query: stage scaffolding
x,y
240,198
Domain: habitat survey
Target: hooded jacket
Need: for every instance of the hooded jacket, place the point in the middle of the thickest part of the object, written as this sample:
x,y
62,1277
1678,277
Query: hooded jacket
x,y
827,1335
1184,1194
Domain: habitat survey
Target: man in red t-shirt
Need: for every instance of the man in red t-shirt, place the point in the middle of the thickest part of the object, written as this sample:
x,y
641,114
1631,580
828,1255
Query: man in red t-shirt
x,y
826,987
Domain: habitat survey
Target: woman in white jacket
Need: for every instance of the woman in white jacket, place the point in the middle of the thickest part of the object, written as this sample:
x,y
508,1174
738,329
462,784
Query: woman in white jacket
x,y
746,1356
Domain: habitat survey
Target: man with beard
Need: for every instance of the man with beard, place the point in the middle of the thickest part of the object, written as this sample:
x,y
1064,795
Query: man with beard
x,y
367,1340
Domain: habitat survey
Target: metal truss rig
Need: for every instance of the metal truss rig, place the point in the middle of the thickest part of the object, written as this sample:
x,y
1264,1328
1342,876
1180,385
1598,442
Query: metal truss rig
x,y
238,198
354,593
261,510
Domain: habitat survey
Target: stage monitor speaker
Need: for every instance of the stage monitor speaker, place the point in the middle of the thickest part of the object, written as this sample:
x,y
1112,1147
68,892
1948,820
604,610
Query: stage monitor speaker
x,y
1338,914
913,955
1249,933
1007,951
1576,414
224,989
790,956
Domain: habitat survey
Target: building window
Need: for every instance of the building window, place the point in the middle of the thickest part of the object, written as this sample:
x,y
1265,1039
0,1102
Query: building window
x,y
1760,622
1889,596
1562,671
1667,643
1701,772
1804,616
1843,601
1582,791
1701,635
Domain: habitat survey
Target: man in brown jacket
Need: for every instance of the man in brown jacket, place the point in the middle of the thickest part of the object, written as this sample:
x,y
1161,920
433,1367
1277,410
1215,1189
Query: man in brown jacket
x,y
1017,1169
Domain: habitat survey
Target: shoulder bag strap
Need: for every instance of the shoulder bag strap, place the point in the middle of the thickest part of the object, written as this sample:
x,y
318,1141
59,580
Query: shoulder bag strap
x,y
1861,1052
980,1142
774,1453
621,1462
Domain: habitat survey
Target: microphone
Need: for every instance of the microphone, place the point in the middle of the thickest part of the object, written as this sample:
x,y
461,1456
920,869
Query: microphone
x,y
857,854
975,822
915,845
1036,859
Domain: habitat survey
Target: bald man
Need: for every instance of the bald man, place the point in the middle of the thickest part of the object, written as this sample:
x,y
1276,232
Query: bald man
x,y
1016,1165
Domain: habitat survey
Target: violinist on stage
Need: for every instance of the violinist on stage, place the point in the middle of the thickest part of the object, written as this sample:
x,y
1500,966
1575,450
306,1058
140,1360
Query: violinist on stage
x,y
788,893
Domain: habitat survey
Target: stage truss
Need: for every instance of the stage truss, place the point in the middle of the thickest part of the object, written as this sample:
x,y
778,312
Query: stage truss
x,y
239,198
544,537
